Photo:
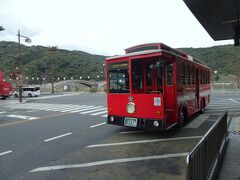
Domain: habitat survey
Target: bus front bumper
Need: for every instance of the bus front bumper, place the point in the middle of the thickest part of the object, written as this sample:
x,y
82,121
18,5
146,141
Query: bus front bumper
x,y
144,123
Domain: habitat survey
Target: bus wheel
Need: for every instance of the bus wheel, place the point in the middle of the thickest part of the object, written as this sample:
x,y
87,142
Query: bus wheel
x,y
182,117
29,95
202,106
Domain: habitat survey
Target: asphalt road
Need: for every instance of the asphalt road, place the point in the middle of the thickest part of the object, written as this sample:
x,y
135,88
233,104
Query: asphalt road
x,y
64,137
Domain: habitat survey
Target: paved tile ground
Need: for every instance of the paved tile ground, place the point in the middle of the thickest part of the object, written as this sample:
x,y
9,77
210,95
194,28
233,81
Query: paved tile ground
x,y
230,169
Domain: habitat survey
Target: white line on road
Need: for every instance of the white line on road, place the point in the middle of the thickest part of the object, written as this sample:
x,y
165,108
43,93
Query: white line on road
x,y
98,113
112,161
95,110
4,153
144,141
2,112
22,117
105,115
63,135
96,125
234,101
132,132
88,108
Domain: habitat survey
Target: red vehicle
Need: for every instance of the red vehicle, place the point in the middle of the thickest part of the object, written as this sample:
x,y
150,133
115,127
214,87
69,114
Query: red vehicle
x,y
155,87
6,88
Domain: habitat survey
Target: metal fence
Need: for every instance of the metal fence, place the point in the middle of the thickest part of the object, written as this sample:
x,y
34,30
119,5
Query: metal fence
x,y
204,160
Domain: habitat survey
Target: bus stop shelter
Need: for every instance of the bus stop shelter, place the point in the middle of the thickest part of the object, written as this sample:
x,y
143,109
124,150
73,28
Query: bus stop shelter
x,y
220,18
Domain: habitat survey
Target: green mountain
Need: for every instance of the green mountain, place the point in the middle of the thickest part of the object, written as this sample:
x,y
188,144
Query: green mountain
x,y
40,62
225,59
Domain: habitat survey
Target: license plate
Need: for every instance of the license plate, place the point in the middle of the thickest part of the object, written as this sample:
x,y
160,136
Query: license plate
x,y
132,122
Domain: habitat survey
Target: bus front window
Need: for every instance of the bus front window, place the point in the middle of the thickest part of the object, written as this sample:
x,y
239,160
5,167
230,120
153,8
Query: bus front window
x,y
119,77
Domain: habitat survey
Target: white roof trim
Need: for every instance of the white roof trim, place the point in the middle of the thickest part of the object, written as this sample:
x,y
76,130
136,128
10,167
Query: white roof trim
x,y
136,53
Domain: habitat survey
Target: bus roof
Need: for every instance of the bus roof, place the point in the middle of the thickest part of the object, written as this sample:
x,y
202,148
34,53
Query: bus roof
x,y
152,48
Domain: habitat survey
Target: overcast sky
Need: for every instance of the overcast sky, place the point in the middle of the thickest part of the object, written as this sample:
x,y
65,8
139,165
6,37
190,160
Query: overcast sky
x,y
103,26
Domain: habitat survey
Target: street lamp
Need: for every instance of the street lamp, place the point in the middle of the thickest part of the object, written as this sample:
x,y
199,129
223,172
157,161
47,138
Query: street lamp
x,y
216,76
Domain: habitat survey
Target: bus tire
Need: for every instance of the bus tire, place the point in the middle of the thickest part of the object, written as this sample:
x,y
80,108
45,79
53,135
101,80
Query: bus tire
x,y
182,117
29,95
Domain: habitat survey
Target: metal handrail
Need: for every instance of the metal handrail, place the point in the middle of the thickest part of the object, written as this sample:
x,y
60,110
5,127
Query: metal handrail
x,y
204,160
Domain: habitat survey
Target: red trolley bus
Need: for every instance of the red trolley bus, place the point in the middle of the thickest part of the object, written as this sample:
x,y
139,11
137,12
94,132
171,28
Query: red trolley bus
x,y
154,86
5,88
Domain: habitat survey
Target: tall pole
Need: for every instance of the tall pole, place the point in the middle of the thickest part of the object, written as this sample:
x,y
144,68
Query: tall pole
x,y
20,68
53,73
53,48
238,73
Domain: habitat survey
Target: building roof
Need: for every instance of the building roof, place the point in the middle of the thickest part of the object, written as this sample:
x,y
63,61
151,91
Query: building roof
x,y
218,17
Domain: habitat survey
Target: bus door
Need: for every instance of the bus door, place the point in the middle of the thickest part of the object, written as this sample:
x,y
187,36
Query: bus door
x,y
149,78
153,77
169,92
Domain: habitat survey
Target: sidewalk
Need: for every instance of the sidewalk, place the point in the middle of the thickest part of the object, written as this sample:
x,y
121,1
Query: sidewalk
x,y
13,101
230,168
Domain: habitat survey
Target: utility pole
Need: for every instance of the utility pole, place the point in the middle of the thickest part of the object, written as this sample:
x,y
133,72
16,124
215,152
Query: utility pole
x,y
53,48
20,75
238,72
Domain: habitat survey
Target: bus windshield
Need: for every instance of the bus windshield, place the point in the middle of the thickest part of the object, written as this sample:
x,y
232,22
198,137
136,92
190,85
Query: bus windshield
x,y
119,77
146,74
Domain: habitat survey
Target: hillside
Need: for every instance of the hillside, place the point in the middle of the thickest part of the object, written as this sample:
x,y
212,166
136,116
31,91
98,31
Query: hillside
x,y
225,59
40,62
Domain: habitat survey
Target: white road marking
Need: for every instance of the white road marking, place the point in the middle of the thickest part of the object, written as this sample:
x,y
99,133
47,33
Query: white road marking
x,y
63,135
112,161
4,153
144,141
98,113
96,125
132,132
105,115
2,112
22,117
95,110
82,109
87,108
234,101
75,108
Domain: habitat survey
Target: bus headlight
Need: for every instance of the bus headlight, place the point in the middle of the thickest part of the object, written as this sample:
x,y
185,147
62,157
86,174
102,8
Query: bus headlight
x,y
131,108
156,123
111,118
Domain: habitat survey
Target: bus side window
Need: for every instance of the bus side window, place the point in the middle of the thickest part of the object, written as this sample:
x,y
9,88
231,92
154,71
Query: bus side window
x,y
182,70
169,74
193,75
189,74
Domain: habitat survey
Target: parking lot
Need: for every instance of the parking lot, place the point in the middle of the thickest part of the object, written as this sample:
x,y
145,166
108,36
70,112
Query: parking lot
x,y
53,137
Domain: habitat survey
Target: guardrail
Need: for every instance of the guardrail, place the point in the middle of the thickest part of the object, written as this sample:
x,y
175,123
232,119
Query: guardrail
x,y
204,160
